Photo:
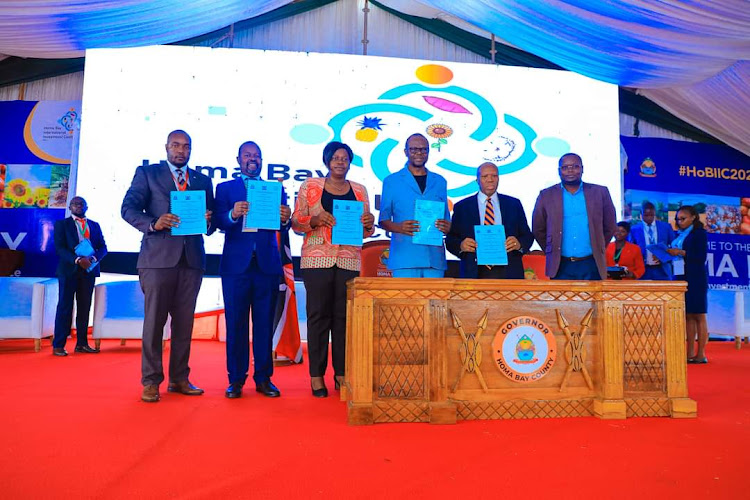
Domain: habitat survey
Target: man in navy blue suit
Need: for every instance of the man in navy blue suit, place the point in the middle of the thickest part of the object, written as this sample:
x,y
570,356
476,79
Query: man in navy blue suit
x,y
489,207
652,232
76,275
250,275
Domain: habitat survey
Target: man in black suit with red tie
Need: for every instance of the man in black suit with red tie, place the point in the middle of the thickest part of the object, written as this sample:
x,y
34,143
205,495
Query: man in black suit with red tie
x,y
76,275
170,267
489,207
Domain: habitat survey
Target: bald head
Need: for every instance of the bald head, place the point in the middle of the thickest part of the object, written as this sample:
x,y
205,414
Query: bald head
x,y
487,178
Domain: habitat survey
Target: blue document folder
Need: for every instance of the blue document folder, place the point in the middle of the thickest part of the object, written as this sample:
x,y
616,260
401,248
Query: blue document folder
x,y
264,199
190,207
426,212
348,228
491,245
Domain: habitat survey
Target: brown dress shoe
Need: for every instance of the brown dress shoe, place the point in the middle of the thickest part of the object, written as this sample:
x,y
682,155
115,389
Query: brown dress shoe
x,y
150,393
184,387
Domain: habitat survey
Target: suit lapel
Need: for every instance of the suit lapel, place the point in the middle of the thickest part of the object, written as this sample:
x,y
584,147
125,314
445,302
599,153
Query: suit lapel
x,y
165,178
410,181
72,230
474,211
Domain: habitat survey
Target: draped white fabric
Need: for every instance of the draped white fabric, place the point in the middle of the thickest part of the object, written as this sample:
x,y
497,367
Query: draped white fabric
x,y
634,43
689,56
65,28
718,105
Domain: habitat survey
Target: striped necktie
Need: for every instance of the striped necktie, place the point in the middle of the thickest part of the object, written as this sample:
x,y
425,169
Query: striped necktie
x,y
489,213
489,216
181,184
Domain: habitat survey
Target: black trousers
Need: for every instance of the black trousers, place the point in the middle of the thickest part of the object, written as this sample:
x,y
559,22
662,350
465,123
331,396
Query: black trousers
x,y
493,272
78,286
326,312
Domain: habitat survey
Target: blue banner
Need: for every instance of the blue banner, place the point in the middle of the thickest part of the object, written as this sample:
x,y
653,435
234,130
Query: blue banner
x,y
714,179
35,173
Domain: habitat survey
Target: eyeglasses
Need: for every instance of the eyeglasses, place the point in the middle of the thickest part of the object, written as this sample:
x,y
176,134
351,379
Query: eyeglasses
x,y
570,167
418,150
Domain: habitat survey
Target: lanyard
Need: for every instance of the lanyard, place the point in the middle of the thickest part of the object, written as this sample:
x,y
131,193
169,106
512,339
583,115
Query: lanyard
x,y
82,227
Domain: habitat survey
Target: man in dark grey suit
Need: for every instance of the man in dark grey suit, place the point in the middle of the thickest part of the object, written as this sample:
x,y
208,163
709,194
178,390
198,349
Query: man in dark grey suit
x,y
573,221
170,268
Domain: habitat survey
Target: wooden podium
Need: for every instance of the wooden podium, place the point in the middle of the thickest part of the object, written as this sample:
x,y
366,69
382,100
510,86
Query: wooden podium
x,y
440,350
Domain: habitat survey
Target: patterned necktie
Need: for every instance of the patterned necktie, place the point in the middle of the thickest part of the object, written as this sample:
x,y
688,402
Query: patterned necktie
x,y
651,239
181,184
489,216
489,213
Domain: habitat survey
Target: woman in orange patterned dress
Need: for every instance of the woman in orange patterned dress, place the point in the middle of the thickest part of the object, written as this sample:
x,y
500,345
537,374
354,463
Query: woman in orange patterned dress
x,y
327,267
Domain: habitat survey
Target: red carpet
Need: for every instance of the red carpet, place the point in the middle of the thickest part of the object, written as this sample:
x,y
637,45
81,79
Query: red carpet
x,y
75,428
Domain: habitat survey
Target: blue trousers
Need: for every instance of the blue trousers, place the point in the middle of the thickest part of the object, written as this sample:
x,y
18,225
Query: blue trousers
x,y
578,270
655,273
241,291
418,272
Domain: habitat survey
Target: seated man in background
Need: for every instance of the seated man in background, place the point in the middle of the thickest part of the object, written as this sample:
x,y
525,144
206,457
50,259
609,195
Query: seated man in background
x,y
76,274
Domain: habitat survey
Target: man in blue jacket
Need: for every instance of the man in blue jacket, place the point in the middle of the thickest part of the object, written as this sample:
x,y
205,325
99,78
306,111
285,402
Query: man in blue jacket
x,y
652,232
401,190
250,273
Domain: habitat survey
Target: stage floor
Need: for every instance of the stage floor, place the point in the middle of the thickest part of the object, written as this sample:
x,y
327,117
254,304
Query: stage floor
x,y
75,427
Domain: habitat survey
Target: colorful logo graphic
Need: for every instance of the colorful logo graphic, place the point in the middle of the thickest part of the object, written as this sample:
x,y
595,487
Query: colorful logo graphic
x,y
68,120
648,168
524,349
448,111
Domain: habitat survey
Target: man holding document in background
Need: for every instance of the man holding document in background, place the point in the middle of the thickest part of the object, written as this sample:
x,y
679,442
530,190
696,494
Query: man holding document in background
x,y
414,209
171,205
496,251
250,212
80,245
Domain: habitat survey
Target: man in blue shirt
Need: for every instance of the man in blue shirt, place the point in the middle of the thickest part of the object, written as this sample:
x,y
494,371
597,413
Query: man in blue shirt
x,y
401,190
573,221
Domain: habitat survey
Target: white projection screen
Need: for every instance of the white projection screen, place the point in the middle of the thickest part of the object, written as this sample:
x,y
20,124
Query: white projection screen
x,y
292,104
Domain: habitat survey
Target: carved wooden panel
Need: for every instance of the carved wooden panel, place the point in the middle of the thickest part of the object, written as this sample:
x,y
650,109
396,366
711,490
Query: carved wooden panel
x,y
400,370
400,411
647,407
644,295
491,410
644,348
522,295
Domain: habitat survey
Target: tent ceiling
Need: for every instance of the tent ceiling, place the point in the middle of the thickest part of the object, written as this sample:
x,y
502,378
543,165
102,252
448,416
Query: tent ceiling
x,y
691,56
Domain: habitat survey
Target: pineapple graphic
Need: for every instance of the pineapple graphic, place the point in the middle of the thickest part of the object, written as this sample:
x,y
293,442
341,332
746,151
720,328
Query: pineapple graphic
x,y
369,130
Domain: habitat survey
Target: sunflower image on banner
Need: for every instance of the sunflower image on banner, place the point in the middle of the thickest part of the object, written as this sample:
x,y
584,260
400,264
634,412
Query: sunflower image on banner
x,y
27,186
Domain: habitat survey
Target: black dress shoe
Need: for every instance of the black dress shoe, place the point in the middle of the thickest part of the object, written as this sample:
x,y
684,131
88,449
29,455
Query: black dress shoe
x,y
59,351
319,393
233,391
85,348
268,389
